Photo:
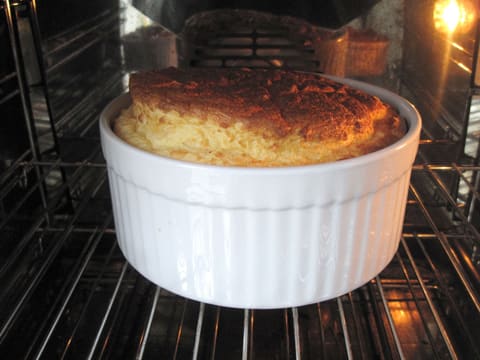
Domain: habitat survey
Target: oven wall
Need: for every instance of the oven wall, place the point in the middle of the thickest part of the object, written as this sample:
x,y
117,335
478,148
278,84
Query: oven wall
x,y
436,73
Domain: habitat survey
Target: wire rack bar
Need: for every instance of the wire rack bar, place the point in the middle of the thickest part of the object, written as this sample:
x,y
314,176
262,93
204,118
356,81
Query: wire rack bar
x,y
104,19
215,333
52,203
472,293
8,77
391,323
356,323
180,329
9,96
424,235
27,166
76,53
246,334
445,291
75,164
77,229
468,259
251,343
473,193
445,167
22,243
322,332
287,334
453,203
346,335
14,166
148,326
113,298
67,293
198,331
380,337
22,201
472,189
248,46
70,338
13,182
251,57
83,127
89,101
436,142
296,334
416,301
6,188
51,254
55,38
431,305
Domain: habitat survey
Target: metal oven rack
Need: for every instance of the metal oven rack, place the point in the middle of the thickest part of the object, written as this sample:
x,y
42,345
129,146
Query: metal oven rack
x,y
67,291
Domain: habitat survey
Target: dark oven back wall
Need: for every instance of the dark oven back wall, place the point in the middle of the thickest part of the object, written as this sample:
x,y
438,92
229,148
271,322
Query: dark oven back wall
x,y
437,70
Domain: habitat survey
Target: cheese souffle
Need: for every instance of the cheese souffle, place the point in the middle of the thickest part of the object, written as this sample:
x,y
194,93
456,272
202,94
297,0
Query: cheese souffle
x,y
254,118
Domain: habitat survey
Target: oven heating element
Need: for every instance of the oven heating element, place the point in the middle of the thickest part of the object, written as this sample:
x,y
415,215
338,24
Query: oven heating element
x,y
67,291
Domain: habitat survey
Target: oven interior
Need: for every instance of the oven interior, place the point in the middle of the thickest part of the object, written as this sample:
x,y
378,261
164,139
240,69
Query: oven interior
x,y
67,291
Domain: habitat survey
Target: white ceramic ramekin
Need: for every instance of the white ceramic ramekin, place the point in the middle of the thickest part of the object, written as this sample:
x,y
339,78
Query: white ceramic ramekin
x,y
260,237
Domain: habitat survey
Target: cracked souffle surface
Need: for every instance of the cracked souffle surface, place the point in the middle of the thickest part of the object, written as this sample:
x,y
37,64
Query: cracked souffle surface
x,y
245,117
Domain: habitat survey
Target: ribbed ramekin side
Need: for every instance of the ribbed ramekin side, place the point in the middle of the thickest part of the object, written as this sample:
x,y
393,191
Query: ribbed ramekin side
x,y
351,242
258,258
117,208
401,201
379,232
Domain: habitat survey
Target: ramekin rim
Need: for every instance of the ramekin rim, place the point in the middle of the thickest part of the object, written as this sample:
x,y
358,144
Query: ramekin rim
x,y
413,130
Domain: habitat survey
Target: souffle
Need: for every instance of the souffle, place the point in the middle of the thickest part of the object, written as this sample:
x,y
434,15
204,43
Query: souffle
x,y
262,118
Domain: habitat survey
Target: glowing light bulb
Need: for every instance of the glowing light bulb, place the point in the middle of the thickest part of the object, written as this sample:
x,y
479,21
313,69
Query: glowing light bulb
x,y
452,15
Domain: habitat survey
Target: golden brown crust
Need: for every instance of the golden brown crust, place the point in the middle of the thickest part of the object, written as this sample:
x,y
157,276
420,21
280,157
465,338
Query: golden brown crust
x,y
263,117
274,102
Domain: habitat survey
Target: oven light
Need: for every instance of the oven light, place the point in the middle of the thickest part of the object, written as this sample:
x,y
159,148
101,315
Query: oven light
x,y
451,16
